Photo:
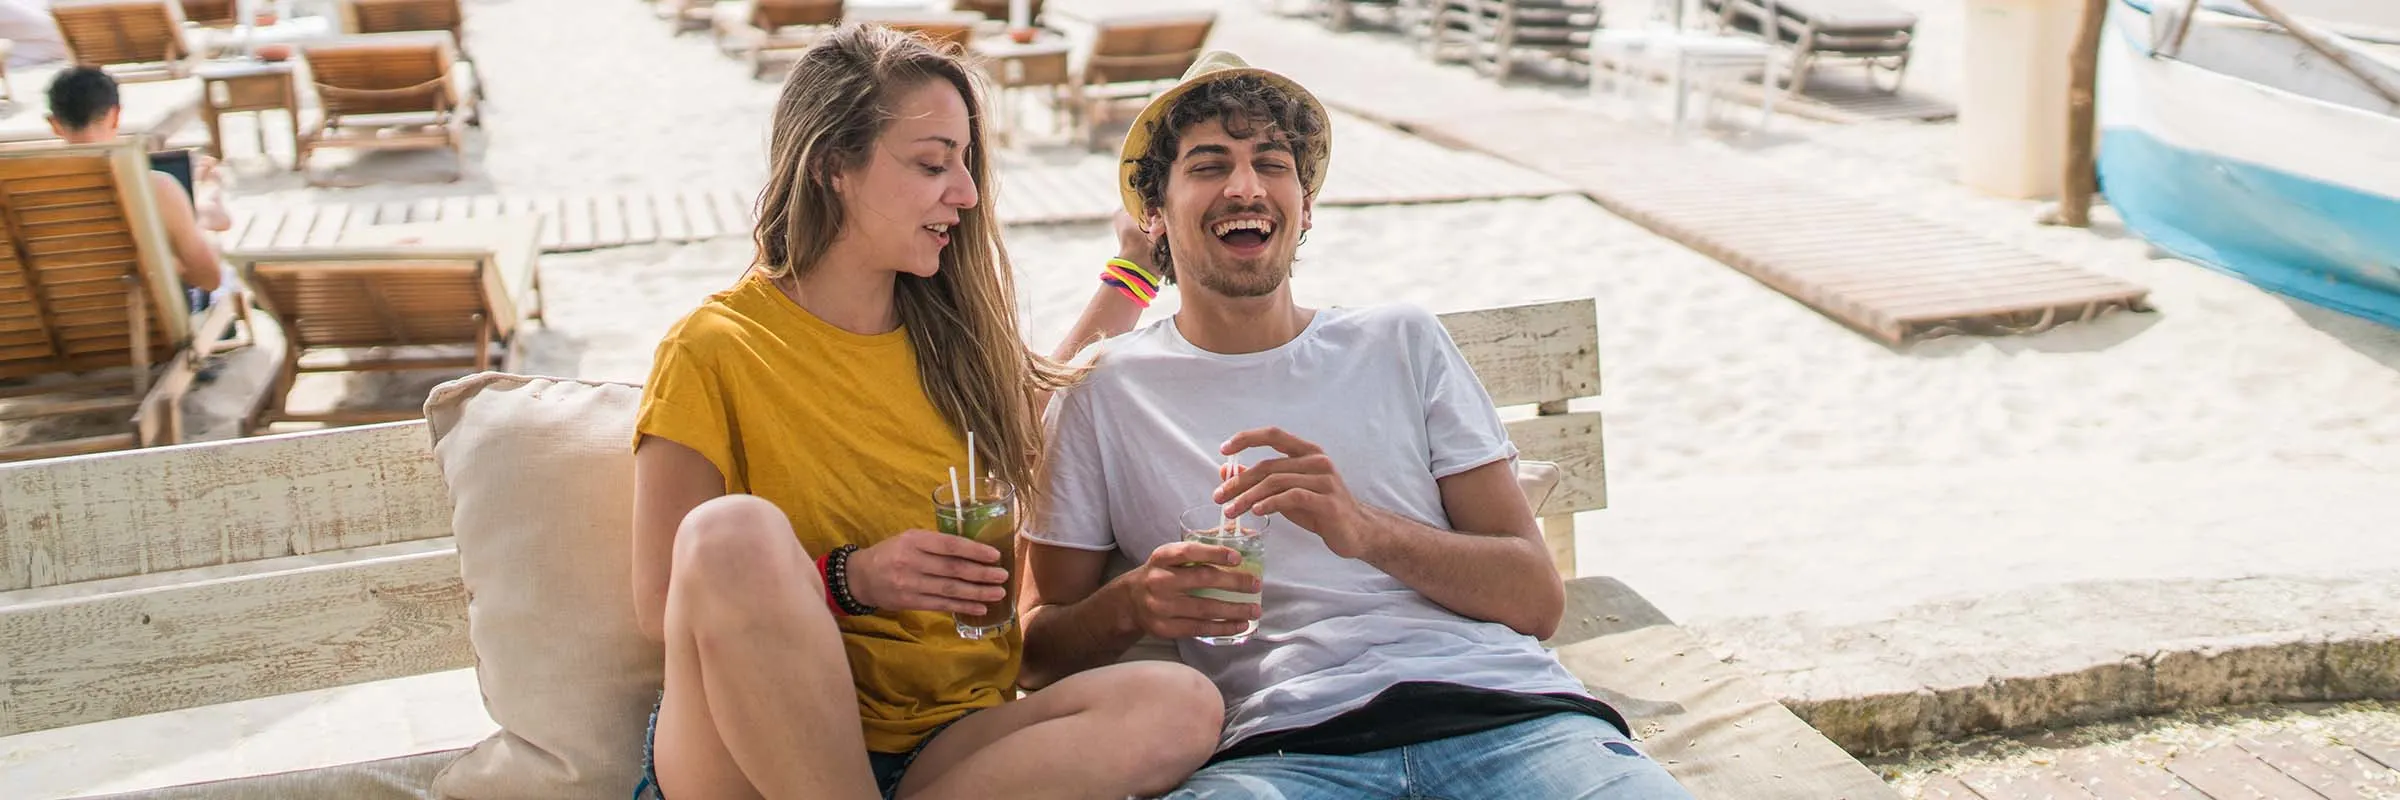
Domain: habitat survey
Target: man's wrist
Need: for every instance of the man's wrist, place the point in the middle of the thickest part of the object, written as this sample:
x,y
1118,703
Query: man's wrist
x,y
1115,612
1370,533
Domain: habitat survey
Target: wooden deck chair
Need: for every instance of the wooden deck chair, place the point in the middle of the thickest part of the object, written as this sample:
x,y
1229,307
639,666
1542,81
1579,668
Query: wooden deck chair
x,y
339,304
398,16
687,15
132,39
1497,32
949,36
389,91
1871,32
1340,15
766,29
1134,58
209,13
93,317
998,10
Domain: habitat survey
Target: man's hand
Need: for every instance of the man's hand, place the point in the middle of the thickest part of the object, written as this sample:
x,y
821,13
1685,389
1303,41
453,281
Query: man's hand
x,y
922,570
1162,586
1302,486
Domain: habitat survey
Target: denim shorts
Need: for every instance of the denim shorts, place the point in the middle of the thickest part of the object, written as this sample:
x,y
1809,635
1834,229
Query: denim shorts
x,y
1561,755
888,768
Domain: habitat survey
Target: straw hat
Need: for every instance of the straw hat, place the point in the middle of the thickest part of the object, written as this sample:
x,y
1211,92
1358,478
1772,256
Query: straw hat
x,y
1215,65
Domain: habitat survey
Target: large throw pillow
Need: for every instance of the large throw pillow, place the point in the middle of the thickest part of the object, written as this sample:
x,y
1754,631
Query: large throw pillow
x,y
541,474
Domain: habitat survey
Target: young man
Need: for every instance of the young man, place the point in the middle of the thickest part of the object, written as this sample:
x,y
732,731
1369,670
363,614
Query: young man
x,y
1406,585
84,110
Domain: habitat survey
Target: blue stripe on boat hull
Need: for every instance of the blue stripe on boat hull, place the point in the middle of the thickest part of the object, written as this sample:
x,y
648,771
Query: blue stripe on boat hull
x,y
2329,245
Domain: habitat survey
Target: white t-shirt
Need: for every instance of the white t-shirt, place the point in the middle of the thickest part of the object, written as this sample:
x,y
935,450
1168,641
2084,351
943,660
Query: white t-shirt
x,y
33,33
1385,392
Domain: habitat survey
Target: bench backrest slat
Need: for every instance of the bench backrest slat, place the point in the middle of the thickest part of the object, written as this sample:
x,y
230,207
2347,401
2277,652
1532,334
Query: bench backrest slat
x,y
71,520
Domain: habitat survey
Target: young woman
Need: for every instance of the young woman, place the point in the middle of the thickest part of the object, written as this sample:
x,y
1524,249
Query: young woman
x,y
789,444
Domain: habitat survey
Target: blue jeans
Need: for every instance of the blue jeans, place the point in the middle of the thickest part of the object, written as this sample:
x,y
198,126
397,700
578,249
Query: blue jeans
x,y
1558,757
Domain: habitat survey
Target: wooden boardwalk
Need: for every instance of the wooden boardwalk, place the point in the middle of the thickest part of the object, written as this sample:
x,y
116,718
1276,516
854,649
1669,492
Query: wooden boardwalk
x,y
1889,275
2281,765
1372,166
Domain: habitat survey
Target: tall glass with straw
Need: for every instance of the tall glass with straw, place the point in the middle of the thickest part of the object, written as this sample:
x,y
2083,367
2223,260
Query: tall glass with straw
x,y
982,508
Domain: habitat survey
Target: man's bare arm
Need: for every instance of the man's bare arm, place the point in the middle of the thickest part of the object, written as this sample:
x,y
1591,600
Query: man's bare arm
x,y
1494,567
195,258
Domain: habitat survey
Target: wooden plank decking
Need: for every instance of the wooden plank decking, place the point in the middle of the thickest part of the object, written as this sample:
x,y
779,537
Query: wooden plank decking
x,y
1374,166
1882,272
2349,765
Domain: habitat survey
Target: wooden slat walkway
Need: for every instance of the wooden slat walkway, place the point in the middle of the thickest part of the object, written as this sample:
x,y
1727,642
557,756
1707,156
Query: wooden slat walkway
x,y
2355,765
1891,276
1373,165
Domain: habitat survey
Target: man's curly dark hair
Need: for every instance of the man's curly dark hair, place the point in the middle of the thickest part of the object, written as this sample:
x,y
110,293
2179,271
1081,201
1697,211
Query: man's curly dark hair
x,y
1248,106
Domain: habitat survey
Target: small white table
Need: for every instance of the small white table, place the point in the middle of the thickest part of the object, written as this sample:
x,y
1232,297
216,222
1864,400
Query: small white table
x,y
1683,54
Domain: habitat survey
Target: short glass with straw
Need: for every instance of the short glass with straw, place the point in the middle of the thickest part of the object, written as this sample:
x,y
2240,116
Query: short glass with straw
x,y
1245,534
983,509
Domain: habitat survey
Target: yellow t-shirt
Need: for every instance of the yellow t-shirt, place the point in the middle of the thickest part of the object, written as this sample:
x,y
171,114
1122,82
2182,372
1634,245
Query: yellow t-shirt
x,y
835,429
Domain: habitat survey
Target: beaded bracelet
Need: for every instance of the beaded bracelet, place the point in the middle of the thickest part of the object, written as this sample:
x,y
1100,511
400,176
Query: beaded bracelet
x,y
836,568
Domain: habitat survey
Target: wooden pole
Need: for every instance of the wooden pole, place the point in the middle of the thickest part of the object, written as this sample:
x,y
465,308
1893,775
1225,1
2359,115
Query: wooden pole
x,y
2316,41
2075,201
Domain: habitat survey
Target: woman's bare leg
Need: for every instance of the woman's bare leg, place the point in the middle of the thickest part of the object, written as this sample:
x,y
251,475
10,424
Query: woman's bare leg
x,y
759,700
1124,729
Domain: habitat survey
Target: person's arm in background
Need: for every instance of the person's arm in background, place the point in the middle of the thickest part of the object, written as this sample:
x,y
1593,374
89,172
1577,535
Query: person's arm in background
x,y
195,258
208,195
1110,312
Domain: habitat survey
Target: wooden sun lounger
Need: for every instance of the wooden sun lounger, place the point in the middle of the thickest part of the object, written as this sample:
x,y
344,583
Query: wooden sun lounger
x,y
764,30
89,294
1495,33
1867,31
389,91
355,579
399,16
1133,58
209,13
998,10
453,286
1341,14
951,35
133,39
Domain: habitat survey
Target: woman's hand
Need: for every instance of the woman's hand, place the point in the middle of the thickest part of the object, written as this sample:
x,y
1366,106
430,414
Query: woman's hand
x,y
921,570
1133,243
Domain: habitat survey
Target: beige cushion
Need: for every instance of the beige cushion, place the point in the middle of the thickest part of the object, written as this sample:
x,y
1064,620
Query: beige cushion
x,y
541,474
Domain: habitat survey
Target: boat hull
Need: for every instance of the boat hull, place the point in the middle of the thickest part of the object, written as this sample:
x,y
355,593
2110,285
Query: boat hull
x,y
2295,194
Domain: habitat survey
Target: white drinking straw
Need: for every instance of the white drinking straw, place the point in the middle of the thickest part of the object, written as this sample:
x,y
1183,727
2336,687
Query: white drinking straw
x,y
1228,507
958,501
971,473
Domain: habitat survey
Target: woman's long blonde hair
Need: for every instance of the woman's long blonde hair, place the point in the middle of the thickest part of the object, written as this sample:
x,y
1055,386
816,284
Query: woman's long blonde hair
x,y
962,322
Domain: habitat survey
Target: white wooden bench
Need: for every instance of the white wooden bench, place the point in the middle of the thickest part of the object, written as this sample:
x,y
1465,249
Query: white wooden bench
x,y
172,578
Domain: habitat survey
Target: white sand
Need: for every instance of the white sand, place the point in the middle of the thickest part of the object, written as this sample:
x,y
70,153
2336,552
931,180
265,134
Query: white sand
x,y
1763,460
